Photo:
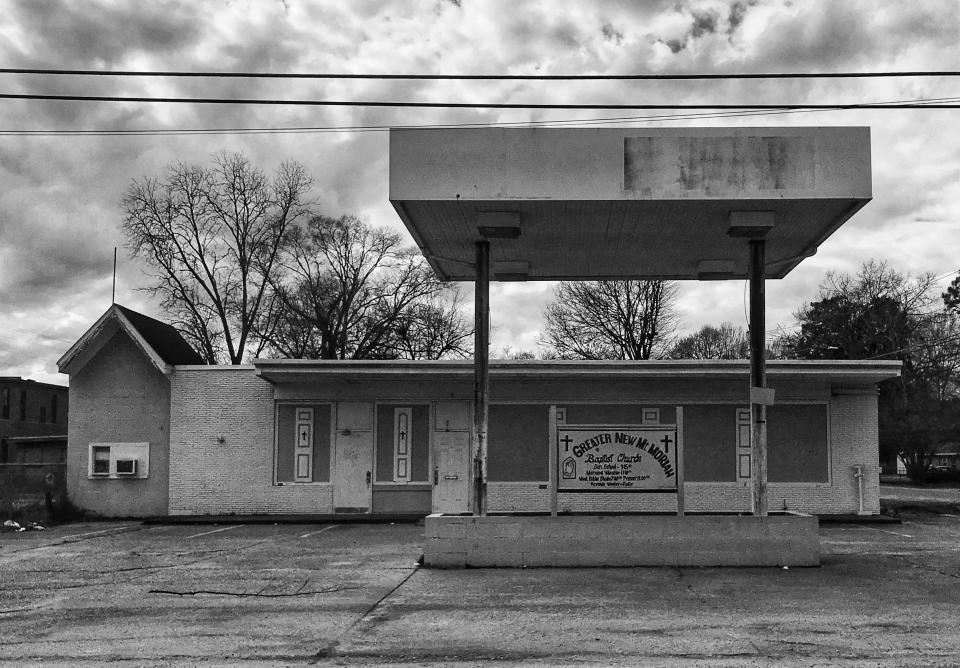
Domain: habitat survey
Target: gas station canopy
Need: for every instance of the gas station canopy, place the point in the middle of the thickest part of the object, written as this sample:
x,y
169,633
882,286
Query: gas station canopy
x,y
625,203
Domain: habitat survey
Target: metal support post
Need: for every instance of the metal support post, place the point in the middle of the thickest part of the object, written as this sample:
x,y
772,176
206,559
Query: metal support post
x,y
758,376
481,377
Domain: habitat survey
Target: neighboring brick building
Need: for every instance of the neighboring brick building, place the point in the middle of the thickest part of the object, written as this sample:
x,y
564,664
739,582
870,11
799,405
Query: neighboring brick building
x,y
33,421
154,433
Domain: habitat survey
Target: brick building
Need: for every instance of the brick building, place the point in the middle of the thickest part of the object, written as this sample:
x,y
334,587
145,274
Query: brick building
x,y
154,433
33,421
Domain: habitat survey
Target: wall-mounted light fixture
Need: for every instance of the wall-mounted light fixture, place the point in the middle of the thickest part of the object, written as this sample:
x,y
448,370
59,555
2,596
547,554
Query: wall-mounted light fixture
x,y
750,224
499,224
518,270
715,270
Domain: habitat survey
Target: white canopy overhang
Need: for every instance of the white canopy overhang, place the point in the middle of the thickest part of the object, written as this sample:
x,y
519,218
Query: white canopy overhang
x,y
625,203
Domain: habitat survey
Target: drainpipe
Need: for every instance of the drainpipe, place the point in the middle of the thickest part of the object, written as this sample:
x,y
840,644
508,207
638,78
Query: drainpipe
x,y
858,474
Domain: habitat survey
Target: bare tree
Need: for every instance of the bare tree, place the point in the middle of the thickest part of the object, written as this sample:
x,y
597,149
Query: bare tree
x,y
610,319
213,236
725,342
355,292
433,329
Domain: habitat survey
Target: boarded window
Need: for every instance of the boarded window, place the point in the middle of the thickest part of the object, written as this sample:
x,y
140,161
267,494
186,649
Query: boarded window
x,y
619,414
518,443
709,443
797,443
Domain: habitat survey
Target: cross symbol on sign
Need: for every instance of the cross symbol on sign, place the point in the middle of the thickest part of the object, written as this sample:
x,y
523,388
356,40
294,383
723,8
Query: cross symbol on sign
x,y
403,435
666,442
566,440
303,434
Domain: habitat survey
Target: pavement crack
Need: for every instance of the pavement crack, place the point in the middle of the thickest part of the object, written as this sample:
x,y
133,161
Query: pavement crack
x,y
256,594
330,649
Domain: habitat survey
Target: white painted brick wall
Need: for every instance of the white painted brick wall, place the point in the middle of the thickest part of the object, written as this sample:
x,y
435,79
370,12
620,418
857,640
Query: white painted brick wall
x,y
236,476
211,478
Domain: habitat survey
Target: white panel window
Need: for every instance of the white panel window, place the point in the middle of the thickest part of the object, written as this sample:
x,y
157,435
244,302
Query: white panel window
x,y
303,471
650,416
402,420
743,443
119,460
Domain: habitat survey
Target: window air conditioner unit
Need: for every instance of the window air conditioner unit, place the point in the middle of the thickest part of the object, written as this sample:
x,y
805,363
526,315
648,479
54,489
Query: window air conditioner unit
x,y
126,467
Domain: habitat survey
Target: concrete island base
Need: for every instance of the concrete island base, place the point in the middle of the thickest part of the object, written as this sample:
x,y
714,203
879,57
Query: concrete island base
x,y
458,541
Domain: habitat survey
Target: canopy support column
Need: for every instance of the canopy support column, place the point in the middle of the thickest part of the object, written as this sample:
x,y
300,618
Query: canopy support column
x,y
758,376
481,376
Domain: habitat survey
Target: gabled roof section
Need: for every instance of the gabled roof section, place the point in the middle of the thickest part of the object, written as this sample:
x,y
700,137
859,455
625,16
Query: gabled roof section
x,y
163,338
161,343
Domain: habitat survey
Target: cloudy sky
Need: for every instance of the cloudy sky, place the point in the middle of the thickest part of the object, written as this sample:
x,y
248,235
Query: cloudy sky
x,y
60,196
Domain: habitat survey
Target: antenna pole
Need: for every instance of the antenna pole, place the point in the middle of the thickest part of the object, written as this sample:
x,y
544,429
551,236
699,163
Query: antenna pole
x,y
113,292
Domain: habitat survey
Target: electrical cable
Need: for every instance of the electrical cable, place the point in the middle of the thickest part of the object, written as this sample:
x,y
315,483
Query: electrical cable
x,y
465,105
482,77
384,128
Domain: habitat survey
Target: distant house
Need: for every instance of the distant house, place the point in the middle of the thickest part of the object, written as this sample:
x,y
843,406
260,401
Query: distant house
x,y
33,421
947,457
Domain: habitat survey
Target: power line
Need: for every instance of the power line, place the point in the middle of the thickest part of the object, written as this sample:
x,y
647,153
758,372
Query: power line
x,y
384,128
470,105
483,77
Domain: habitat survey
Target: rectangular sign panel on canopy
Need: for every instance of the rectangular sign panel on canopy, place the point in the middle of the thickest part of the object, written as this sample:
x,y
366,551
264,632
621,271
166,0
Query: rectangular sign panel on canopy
x,y
617,459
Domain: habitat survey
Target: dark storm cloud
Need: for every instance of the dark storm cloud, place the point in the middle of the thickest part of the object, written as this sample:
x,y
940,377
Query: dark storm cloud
x,y
701,23
818,38
738,11
704,23
92,34
610,33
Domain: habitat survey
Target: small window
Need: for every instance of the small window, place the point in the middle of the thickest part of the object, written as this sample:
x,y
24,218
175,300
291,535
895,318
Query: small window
x,y
53,408
5,403
119,460
101,460
23,404
43,414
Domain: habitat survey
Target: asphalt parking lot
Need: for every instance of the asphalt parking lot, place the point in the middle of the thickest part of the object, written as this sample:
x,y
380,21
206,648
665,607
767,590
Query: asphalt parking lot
x,y
102,593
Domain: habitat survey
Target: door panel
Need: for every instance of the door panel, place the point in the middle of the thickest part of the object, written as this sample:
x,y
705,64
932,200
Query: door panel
x,y
451,475
353,469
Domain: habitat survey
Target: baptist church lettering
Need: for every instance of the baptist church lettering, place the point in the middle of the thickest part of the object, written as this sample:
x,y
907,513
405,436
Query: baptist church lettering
x,y
627,458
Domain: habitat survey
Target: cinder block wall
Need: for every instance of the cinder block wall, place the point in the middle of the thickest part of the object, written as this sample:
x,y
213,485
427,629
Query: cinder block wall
x,y
512,542
208,477
119,397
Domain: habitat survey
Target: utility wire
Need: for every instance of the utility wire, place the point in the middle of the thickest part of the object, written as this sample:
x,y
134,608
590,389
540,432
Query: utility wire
x,y
383,128
483,77
467,105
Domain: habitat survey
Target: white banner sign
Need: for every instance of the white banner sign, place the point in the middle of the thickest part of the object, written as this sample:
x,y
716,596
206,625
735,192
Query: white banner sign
x,y
609,458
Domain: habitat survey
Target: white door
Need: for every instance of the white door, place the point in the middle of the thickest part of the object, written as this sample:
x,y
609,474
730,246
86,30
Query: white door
x,y
353,457
451,472
353,466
